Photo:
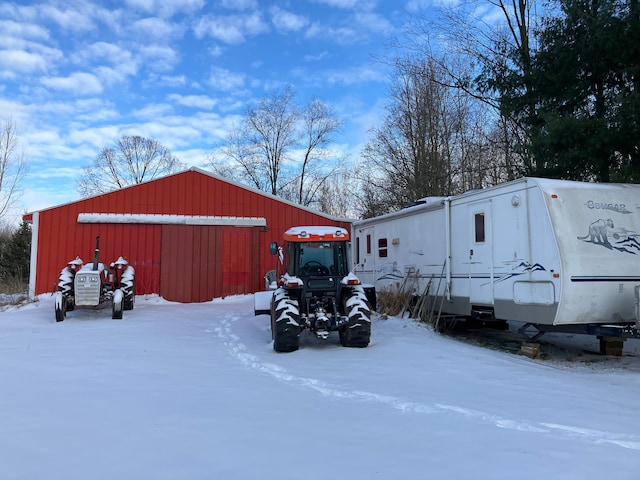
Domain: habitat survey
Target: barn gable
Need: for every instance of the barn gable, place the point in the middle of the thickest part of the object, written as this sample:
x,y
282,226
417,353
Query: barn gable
x,y
191,236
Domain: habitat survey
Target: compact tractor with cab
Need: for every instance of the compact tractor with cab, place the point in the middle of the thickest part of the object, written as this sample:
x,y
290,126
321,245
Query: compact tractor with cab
x,y
94,284
315,289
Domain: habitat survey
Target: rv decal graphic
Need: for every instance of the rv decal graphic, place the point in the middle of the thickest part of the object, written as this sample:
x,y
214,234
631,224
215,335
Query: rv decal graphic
x,y
521,269
599,232
390,272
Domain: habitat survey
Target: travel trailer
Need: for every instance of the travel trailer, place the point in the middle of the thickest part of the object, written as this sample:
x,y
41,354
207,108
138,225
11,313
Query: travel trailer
x,y
555,254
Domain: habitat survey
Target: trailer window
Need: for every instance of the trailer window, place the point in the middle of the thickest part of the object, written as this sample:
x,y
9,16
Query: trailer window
x,y
382,247
368,244
479,227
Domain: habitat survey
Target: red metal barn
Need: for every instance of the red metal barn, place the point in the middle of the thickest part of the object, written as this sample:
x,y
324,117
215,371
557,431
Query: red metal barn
x,y
191,237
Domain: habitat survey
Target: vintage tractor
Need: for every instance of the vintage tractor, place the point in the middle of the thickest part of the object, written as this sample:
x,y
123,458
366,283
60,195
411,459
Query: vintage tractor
x,y
91,285
315,290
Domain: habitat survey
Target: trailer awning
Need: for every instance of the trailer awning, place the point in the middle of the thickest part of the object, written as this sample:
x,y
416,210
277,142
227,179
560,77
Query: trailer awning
x,y
171,219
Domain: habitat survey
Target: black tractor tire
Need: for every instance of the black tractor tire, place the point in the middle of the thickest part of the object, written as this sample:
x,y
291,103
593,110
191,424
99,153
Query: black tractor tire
x,y
65,286
285,322
130,296
118,308
357,332
60,307
129,288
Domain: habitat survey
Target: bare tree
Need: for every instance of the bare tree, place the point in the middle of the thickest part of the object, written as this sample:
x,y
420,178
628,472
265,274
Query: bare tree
x,y
498,50
319,123
280,147
134,160
418,148
13,166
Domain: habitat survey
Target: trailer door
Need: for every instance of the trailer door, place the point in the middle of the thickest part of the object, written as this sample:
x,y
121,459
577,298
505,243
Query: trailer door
x,y
481,253
363,255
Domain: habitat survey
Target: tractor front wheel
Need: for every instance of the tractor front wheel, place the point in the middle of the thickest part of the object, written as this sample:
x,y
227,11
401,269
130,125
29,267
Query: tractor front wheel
x,y
118,304
61,310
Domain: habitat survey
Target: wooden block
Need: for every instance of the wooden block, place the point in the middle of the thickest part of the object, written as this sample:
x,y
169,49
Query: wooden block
x,y
530,349
611,345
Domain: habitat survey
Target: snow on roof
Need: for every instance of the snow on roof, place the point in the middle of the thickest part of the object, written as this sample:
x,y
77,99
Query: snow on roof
x,y
171,219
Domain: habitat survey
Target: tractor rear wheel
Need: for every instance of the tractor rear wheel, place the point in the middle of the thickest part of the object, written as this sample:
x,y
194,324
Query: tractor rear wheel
x,y
357,332
65,286
118,305
129,288
285,322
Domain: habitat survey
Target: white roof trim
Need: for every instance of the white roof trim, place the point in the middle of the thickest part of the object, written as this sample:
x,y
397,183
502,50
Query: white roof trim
x,y
171,219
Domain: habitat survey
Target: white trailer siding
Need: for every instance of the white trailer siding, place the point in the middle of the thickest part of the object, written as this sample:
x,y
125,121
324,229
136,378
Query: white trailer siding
x,y
522,250
389,248
503,255
597,228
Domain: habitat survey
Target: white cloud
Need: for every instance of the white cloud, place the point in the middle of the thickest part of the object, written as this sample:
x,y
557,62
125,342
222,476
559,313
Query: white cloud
x,y
78,83
317,57
10,28
154,28
225,80
239,4
230,29
123,64
166,8
339,3
286,21
153,110
374,22
193,101
173,81
97,137
14,62
347,77
159,57
341,35
69,19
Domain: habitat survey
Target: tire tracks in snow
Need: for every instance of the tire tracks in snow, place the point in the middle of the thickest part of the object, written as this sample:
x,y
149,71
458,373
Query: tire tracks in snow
x,y
238,351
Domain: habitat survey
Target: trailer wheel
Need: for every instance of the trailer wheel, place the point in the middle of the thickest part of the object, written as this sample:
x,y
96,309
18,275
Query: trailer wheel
x,y
285,322
357,332
61,303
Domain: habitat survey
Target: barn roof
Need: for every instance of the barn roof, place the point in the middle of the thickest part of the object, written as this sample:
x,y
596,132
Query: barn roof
x,y
29,216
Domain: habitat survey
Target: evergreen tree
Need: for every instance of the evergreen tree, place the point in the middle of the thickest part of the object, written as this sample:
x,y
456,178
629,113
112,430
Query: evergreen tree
x,y
585,120
15,254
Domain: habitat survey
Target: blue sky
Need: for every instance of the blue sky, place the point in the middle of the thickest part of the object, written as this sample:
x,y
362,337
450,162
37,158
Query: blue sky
x,y
76,75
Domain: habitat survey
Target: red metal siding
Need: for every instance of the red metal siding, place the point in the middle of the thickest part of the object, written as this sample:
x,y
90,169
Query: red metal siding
x,y
244,251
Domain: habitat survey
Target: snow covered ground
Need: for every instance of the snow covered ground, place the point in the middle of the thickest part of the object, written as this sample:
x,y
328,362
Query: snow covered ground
x,y
195,391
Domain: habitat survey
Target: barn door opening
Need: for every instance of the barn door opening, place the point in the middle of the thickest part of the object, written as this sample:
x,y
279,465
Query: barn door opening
x,y
202,262
188,259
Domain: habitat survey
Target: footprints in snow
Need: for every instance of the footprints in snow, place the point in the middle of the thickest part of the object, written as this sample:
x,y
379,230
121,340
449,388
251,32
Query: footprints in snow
x,y
239,351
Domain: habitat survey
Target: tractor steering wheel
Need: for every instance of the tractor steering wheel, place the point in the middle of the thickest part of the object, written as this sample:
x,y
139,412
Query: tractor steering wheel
x,y
315,267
